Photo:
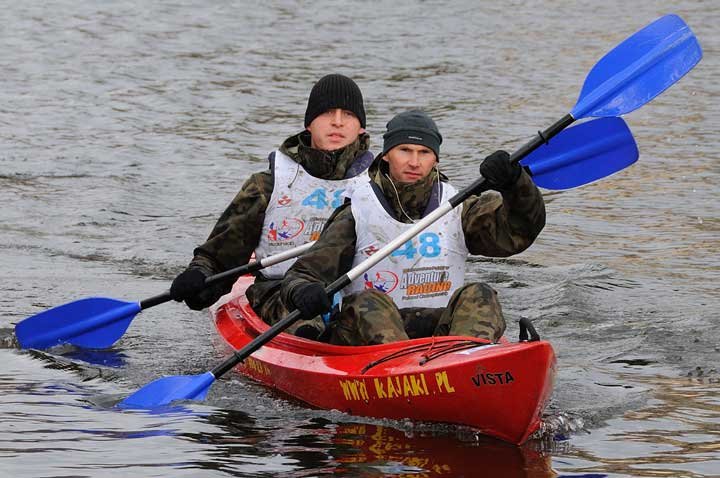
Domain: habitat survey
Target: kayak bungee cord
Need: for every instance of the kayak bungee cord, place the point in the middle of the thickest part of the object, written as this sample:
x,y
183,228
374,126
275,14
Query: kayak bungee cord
x,y
452,345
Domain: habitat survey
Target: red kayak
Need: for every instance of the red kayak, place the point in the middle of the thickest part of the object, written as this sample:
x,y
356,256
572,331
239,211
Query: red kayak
x,y
499,389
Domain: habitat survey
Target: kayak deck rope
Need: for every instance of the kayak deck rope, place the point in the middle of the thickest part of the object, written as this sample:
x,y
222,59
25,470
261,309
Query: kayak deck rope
x,y
451,347
431,352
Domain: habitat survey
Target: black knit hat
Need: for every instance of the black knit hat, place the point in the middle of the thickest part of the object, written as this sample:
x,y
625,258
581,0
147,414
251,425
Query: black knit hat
x,y
412,127
334,91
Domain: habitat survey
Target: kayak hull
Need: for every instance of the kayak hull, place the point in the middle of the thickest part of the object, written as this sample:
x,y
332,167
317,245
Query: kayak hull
x,y
499,389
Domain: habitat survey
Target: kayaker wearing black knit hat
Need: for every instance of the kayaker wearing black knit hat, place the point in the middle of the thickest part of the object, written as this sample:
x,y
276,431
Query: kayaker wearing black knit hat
x,y
418,290
306,176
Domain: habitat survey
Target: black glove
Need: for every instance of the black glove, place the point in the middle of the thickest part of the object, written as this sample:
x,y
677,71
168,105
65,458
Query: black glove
x,y
499,172
310,299
189,286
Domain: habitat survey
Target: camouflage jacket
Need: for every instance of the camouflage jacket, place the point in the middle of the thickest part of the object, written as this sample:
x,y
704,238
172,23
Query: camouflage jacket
x,y
495,225
237,231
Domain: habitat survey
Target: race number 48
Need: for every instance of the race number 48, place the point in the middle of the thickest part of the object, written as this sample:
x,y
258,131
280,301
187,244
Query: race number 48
x,y
428,245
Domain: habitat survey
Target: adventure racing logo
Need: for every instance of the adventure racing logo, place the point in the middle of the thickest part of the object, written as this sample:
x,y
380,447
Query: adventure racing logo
x,y
417,283
425,282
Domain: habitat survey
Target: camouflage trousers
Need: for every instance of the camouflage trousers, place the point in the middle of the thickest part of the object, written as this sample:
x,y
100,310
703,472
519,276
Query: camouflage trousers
x,y
371,317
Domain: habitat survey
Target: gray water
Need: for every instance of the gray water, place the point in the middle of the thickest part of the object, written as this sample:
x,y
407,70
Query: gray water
x,y
128,126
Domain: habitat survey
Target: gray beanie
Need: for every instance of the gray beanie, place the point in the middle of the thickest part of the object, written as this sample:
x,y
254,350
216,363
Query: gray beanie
x,y
412,127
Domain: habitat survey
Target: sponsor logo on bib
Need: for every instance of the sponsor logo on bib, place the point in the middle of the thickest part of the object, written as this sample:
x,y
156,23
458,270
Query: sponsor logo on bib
x,y
286,230
382,281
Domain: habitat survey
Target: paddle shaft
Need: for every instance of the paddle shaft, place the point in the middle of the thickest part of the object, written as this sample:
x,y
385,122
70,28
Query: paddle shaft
x,y
165,390
476,187
234,273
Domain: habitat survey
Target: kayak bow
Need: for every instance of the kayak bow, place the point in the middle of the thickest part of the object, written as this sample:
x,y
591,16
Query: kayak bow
x,y
500,389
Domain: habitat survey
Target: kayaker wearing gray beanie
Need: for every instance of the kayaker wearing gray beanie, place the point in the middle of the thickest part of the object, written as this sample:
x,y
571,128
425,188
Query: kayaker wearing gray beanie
x,y
420,289
412,127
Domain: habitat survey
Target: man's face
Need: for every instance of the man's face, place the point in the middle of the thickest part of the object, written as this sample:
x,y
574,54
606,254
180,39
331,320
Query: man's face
x,y
334,129
410,162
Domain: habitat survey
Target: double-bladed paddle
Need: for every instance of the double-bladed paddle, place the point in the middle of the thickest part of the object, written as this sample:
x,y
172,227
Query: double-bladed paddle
x,y
630,75
580,155
98,322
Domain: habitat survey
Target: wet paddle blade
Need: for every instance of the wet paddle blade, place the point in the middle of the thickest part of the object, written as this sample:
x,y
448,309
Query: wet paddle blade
x,y
582,154
639,69
95,322
164,391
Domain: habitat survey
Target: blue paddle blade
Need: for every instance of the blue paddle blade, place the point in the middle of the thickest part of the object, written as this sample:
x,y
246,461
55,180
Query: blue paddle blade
x,y
583,154
95,322
164,391
639,69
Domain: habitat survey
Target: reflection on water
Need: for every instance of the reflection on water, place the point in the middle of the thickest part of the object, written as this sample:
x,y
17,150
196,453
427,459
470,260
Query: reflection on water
x,y
677,434
368,450
373,451
45,410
